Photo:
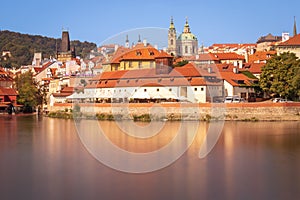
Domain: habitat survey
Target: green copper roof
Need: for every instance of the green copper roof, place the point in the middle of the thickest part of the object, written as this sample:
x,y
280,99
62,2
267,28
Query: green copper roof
x,y
187,36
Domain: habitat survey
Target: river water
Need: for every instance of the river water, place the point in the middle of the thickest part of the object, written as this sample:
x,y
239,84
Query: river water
x,y
45,158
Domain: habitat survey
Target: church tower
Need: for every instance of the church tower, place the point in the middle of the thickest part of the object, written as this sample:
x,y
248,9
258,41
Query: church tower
x,y
65,42
172,39
187,42
127,42
295,27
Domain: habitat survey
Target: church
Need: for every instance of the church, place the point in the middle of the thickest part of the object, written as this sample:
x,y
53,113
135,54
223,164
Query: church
x,y
185,45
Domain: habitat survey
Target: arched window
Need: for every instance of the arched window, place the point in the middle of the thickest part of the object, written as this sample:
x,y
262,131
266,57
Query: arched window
x,y
186,49
172,42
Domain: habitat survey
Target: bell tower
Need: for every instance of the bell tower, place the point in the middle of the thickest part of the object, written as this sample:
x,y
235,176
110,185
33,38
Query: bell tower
x,y
172,39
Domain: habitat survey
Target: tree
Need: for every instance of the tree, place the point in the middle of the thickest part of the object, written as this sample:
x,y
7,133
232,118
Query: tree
x,y
30,93
280,76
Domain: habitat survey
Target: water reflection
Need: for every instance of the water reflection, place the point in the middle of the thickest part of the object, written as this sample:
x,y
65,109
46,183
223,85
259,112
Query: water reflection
x,y
45,159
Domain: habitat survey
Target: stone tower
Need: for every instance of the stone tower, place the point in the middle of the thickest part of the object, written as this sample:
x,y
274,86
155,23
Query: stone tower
x,y
172,39
65,42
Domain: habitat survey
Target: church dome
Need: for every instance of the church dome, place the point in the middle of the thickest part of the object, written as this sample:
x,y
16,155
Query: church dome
x,y
187,36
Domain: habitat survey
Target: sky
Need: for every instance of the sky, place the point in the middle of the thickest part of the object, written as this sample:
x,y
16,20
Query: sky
x,y
103,22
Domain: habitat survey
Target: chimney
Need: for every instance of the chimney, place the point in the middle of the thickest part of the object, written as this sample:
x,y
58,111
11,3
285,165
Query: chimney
x,y
235,70
235,63
240,64
145,42
116,47
209,70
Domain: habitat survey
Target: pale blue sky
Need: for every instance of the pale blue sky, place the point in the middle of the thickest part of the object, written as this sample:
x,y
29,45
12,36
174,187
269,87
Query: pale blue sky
x,y
231,21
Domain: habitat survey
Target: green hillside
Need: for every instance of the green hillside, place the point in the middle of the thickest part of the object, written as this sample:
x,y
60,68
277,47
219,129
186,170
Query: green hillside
x,y
23,46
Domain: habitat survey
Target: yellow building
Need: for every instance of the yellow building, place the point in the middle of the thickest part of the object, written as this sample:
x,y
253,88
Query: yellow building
x,y
141,56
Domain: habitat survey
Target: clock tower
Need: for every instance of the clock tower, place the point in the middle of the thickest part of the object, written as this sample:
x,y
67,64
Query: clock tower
x,y
172,39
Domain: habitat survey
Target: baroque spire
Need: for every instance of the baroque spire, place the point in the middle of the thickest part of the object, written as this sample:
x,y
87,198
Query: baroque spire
x,y
172,24
295,27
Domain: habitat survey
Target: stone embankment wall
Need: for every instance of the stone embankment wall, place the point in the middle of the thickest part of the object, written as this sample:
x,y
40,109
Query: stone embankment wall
x,y
189,111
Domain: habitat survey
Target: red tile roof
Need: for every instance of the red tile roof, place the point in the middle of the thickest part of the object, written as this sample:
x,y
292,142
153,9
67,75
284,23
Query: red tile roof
x,y
228,56
233,45
204,57
254,68
236,79
294,41
189,74
261,56
8,91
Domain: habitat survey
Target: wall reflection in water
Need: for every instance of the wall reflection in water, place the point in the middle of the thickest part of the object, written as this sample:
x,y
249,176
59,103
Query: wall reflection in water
x,y
45,159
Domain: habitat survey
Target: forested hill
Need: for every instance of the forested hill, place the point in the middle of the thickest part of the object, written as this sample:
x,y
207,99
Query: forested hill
x,y
23,46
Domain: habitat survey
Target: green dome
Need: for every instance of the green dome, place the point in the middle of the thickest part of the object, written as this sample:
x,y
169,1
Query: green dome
x,y
187,36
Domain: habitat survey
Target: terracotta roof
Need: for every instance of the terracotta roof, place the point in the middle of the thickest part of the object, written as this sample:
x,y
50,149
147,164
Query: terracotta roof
x,y
116,56
254,68
294,41
228,56
189,74
143,53
233,45
261,56
67,90
204,57
4,76
8,91
236,79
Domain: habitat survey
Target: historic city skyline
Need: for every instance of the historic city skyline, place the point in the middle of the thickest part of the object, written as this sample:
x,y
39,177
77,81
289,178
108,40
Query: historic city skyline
x,y
211,22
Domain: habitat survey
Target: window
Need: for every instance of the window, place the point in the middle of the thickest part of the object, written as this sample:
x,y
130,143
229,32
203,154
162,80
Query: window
x,y
170,89
172,42
202,89
186,49
145,90
195,89
157,90
140,64
151,64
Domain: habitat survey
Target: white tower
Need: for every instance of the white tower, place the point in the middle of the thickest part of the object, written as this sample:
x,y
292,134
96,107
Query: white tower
x,y
172,39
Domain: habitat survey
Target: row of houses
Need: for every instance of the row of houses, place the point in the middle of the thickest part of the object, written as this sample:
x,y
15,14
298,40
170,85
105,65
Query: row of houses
x,y
144,73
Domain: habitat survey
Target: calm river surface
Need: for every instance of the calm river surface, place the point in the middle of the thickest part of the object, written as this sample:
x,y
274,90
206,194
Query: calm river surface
x,y
44,158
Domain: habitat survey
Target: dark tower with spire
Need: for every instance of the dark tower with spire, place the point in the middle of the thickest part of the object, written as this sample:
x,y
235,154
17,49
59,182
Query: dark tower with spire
x,y
295,27
66,53
65,42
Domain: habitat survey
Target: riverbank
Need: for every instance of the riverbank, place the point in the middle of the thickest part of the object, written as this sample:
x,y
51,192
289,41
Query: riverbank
x,y
180,111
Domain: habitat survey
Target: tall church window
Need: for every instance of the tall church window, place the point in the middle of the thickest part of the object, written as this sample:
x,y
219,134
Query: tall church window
x,y
172,42
193,49
178,49
186,49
